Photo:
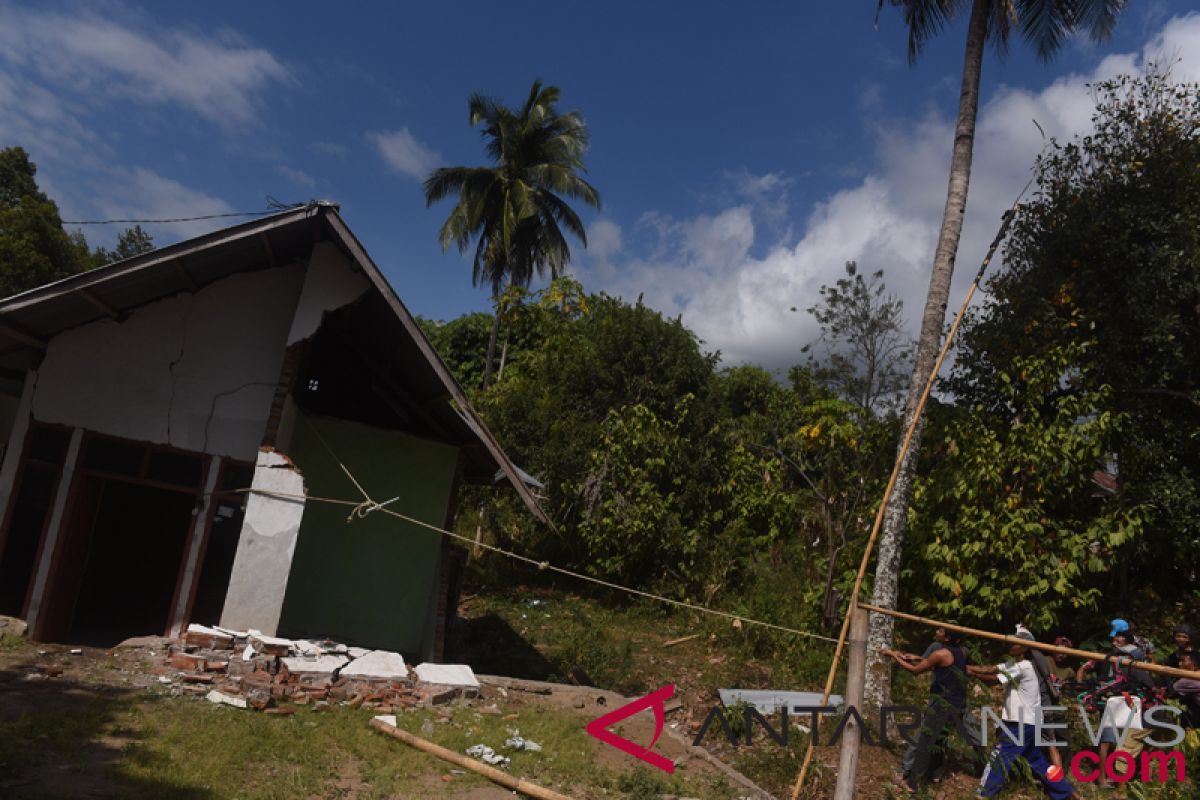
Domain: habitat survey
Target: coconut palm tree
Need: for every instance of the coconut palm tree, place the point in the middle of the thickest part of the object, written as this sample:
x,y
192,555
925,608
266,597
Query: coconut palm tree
x,y
515,209
1046,25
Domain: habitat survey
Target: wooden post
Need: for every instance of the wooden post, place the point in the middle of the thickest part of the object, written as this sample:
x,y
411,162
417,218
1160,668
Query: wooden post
x,y
856,676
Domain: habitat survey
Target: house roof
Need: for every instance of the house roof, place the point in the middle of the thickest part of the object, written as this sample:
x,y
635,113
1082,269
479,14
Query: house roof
x,y
30,319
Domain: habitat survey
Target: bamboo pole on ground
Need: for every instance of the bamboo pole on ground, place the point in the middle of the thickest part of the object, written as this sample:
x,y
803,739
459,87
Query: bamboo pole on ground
x,y
491,773
855,678
891,484
1124,661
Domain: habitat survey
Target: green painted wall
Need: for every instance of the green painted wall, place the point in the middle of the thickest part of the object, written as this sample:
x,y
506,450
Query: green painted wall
x,y
370,582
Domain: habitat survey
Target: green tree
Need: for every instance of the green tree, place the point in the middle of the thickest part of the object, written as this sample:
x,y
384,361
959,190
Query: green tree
x,y
130,242
514,209
1046,24
864,353
34,248
1009,518
1106,260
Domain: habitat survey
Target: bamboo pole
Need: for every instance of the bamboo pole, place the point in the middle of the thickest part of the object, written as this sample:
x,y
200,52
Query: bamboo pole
x,y
491,773
855,678
891,484
1124,661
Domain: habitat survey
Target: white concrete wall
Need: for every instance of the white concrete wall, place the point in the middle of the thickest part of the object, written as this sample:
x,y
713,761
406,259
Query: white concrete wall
x,y
195,371
329,283
263,561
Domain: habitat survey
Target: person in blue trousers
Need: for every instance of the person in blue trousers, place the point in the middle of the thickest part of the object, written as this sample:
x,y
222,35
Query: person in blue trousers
x,y
1022,707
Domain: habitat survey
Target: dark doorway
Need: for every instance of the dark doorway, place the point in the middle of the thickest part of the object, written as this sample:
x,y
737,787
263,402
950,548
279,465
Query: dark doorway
x,y
132,561
38,482
221,548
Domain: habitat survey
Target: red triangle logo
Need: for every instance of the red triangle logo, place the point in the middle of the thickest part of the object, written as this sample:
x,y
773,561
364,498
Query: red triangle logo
x,y
655,700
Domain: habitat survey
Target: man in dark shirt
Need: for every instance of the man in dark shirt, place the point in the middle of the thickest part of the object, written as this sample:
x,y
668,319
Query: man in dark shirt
x,y
1184,637
947,702
1187,690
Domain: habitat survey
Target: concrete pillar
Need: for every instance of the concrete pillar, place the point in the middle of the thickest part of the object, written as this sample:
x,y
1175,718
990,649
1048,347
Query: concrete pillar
x,y
41,571
258,582
15,445
193,550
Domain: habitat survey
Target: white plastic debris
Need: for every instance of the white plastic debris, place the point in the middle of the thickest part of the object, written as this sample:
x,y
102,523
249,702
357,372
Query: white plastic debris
x,y
447,675
78,651
163,679
521,743
222,699
387,719
488,756
248,653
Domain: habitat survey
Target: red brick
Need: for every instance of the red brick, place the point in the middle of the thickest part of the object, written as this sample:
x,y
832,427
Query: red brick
x,y
208,641
50,671
187,662
197,678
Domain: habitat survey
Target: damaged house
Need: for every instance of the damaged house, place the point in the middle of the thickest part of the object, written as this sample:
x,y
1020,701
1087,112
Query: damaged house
x,y
140,400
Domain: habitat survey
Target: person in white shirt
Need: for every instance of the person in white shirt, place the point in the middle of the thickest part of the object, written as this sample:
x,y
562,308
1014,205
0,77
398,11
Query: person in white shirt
x,y
1022,707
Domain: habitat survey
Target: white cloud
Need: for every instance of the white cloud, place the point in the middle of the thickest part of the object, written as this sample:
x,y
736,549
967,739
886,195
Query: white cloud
x,y
604,240
91,57
298,177
143,194
403,153
739,301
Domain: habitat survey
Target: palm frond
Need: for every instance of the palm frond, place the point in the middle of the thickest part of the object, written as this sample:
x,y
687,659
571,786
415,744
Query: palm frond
x,y
1098,17
445,180
1046,24
557,210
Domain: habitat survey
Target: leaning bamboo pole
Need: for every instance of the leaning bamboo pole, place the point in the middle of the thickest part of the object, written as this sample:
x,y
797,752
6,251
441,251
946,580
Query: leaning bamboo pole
x,y
491,773
900,456
1124,661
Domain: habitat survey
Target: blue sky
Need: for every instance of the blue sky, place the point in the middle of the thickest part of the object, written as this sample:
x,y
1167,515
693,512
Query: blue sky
x,y
743,153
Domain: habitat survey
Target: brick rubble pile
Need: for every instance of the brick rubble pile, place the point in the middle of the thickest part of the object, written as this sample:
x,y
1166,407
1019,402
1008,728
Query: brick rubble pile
x,y
251,670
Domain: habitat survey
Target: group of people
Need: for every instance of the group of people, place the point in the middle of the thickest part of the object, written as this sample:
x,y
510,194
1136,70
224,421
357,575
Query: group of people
x,y
1033,682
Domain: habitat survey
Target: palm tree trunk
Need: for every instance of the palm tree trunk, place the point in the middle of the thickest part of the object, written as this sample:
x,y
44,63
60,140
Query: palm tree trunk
x,y
503,356
891,540
491,348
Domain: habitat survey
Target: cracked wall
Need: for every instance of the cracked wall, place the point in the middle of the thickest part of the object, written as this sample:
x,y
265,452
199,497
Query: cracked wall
x,y
194,371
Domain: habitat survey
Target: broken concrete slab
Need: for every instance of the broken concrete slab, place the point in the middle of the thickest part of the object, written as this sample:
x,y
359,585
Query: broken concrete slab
x,y
377,665
11,626
447,675
315,666
767,701
271,645
220,698
203,636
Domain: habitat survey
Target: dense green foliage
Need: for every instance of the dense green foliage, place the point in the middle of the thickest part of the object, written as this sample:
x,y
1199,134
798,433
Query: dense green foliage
x,y
34,247
734,487
1104,266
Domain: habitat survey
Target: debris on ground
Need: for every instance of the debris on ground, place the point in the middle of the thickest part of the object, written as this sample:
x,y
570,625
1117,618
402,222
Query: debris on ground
x,y
488,756
11,626
519,742
260,670
769,701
